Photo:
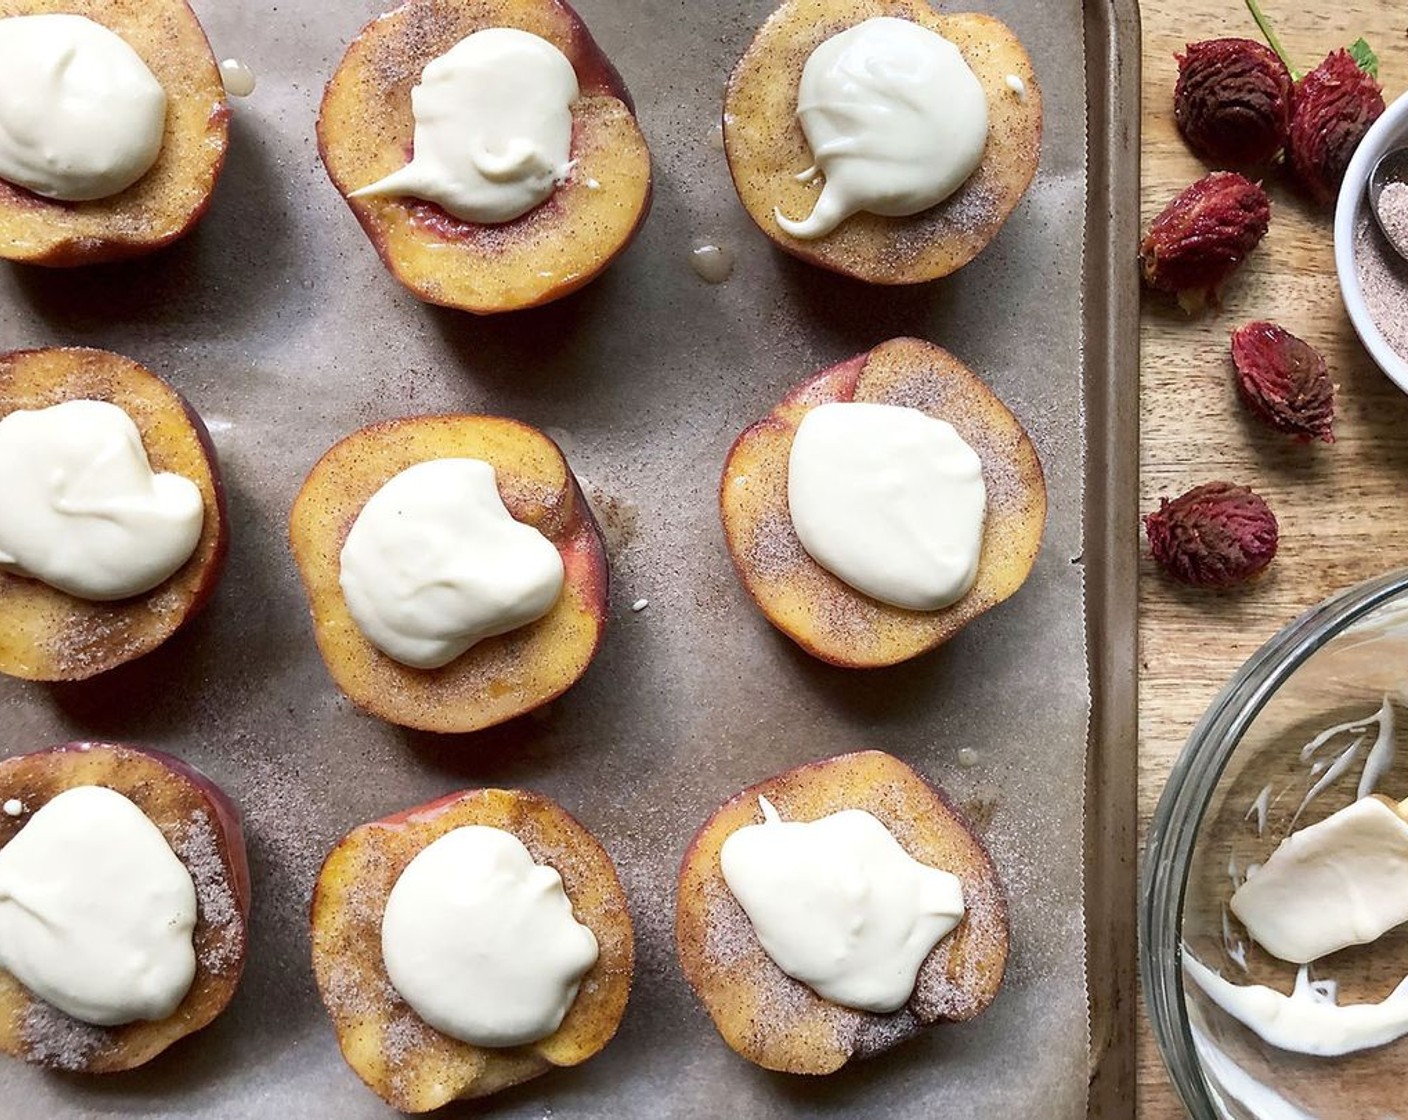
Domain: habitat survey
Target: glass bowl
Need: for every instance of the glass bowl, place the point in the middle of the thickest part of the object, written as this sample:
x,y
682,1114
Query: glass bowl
x,y
1277,748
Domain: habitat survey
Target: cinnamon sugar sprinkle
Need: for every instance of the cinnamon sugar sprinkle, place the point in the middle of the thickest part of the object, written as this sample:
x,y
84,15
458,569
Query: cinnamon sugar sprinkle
x,y
60,1041
199,850
1383,276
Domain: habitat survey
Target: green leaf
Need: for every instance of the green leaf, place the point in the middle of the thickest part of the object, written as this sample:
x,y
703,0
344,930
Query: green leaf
x,y
1364,57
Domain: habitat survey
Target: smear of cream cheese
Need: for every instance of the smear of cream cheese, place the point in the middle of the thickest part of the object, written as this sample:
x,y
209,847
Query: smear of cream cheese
x,y
81,115
97,912
493,127
481,940
434,563
1309,1020
896,121
838,904
890,500
1342,881
81,507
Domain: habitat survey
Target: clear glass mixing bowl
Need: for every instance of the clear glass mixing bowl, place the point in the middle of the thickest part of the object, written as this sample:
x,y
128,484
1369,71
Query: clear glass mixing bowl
x,y
1233,794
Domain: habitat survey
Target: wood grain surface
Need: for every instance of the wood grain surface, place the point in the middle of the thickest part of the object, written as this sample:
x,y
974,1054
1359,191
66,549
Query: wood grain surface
x,y
1343,508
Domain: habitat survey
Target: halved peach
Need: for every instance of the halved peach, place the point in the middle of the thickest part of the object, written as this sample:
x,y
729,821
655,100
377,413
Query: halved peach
x,y
168,200
49,635
779,1022
498,678
408,1063
202,826
821,613
767,149
365,132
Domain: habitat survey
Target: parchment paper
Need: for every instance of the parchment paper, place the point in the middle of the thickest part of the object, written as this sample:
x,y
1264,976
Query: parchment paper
x,y
278,322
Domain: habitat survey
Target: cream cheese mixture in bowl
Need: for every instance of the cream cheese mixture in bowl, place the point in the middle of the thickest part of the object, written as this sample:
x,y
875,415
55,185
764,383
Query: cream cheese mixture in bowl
x,y
1274,958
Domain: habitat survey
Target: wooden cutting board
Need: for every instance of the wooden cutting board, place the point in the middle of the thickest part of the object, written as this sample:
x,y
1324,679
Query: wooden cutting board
x,y
1343,509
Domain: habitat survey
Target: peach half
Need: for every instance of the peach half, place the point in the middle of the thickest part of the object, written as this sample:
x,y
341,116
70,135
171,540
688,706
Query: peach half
x,y
365,132
405,1061
168,200
49,635
822,614
767,149
780,1023
202,826
500,677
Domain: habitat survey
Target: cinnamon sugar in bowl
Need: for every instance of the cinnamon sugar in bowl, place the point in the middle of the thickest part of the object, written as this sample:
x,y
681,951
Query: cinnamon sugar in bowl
x,y
1373,278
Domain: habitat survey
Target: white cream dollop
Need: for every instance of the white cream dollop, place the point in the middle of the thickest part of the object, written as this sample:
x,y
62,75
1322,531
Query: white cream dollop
x,y
481,941
890,500
896,121
839,905
81,115
435,563
493,127
1309,1020
81,509
96,910
1342,881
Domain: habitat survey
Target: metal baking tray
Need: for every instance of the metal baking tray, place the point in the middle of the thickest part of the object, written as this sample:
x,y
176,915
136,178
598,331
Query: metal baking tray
x,y
277,321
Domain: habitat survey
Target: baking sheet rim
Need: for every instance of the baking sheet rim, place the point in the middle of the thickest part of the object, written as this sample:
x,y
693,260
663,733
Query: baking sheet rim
x,y
1111,312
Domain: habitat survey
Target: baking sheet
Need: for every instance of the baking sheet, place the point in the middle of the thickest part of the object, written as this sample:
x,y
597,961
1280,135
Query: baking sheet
x,y
279,324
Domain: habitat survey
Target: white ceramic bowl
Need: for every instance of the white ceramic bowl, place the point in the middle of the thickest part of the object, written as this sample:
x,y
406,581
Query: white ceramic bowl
x,y
1389,131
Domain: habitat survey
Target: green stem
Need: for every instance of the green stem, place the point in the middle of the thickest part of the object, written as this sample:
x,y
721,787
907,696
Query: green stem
x,y
1271,39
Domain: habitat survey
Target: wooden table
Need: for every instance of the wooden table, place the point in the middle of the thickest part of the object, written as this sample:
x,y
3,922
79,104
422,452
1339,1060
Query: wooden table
x,y
1343,509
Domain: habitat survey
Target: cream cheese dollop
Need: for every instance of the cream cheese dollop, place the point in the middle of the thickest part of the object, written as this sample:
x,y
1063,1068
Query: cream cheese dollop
x,y
81,115
82,510
435,563
896,121
890,500
1310,1020
493,127
97,912
481,941
839,905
